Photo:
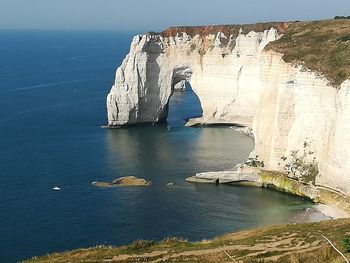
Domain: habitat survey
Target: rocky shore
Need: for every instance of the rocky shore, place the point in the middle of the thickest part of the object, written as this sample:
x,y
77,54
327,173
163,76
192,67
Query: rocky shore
x,y
331,204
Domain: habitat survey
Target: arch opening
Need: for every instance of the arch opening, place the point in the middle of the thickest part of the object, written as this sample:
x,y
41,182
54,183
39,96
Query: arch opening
x,y
183,103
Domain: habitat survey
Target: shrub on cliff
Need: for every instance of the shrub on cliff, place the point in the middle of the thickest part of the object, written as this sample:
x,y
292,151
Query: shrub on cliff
x,y
254,162
342,17
346,243
302,167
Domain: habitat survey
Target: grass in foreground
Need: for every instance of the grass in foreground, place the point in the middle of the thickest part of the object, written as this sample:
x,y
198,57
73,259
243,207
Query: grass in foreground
x,y
287,243
322,46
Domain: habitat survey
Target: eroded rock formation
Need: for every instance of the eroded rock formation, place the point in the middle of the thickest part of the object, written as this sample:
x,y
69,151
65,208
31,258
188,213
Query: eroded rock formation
x,y
217,73
292,111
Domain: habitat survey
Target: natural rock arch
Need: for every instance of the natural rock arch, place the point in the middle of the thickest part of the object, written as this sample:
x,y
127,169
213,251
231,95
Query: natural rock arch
x,y
238,81
181,80
217,73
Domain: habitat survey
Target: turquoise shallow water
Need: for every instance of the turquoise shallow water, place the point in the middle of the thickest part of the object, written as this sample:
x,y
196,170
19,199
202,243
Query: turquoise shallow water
x,y
52,90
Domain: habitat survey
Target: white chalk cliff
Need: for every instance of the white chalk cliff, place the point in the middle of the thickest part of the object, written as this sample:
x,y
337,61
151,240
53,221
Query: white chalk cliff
x,y
239,82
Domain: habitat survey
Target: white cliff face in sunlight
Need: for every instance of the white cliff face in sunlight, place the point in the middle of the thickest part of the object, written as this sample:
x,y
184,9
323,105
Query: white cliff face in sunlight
x,y
240,83
225,78
300,112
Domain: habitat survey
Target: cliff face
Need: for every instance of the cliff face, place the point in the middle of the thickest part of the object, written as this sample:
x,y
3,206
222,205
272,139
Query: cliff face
x,y
224,77
299,120
300,114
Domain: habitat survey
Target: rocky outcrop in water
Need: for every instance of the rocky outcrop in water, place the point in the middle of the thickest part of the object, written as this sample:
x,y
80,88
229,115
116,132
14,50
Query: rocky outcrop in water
x,y
123,181
334,203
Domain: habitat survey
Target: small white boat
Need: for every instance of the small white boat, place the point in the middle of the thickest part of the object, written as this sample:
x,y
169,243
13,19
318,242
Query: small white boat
x,y
56,188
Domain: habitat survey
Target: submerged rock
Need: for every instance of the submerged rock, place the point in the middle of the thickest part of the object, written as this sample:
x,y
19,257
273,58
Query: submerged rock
x,y
124,181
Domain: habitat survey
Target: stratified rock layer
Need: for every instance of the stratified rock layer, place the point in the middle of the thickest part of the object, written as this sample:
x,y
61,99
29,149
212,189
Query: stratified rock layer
x,y
291,110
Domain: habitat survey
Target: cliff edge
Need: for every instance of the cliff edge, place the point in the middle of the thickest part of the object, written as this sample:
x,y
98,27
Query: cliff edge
x,y
286,243
289,82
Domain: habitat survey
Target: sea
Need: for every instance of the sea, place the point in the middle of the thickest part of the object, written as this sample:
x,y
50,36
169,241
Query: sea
x,y
53,87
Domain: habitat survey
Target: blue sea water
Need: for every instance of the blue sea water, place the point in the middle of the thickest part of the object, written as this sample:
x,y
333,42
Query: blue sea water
x,y
53,87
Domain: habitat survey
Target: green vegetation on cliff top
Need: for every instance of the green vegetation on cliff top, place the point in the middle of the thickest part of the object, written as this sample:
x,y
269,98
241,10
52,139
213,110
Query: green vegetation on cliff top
x,y
288,243
322,46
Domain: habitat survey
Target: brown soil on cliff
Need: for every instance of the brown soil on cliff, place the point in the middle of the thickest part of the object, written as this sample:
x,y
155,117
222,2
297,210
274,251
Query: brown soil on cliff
x,y
288,243
228,30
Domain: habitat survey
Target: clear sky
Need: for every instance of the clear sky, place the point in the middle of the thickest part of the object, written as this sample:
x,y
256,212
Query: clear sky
x,y
158,14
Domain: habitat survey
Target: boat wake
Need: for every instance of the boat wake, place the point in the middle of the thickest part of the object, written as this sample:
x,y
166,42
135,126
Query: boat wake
x,y
51,84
